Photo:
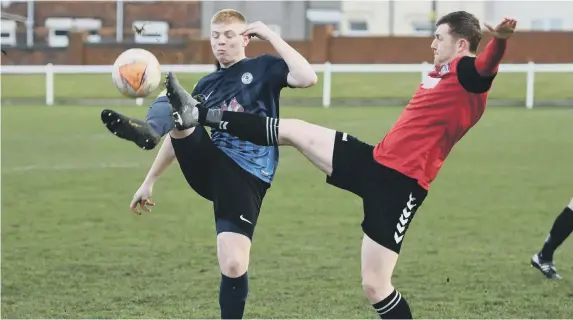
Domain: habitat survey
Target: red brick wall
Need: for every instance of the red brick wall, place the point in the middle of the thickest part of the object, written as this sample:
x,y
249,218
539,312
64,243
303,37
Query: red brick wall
x,y
181,15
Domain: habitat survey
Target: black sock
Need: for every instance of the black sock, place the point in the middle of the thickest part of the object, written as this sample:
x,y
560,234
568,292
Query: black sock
x,y
233,296
562,228
393,306
260,130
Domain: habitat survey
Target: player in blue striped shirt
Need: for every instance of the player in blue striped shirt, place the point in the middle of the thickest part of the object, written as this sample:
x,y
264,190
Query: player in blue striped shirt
x,y
234,174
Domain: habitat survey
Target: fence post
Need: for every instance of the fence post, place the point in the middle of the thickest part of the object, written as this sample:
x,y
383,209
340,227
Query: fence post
x,y
50,84
530,85
326,84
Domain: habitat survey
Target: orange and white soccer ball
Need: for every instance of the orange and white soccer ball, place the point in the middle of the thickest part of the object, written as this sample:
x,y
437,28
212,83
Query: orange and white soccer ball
x,y
136,73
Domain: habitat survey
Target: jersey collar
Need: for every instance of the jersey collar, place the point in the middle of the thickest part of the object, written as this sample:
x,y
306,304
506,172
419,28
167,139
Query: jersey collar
x,y
234,65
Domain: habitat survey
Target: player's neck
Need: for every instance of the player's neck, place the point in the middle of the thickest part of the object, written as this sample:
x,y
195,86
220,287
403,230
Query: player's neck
x,y
462,54
230,64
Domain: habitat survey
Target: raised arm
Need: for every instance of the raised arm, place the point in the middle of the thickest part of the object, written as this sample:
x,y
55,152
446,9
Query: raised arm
x,y
487,63
476,74
301,74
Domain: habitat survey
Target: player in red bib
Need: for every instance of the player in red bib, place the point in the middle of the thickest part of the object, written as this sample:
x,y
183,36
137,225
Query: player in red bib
x,y
394,176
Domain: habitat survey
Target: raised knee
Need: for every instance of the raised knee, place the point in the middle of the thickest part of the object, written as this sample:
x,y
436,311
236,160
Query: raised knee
x,y
292,132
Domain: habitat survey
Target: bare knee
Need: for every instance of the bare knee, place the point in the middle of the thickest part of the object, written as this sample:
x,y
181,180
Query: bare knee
x,y
376,287
233,252
378,265
233,266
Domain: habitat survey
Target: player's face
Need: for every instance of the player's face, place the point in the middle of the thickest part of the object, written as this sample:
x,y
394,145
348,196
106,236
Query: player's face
x,y
445,46
227,43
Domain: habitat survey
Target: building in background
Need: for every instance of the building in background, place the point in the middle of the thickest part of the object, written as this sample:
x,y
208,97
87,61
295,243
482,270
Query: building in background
x,y
294,19
106,21
288,18
533,15
171,22
407,18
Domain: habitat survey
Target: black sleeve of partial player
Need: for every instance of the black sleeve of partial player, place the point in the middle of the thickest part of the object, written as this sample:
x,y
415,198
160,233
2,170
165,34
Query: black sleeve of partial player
x,y
469,77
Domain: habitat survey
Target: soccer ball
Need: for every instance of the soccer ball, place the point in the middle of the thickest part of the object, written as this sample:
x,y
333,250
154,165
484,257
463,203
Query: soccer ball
x,y
136,73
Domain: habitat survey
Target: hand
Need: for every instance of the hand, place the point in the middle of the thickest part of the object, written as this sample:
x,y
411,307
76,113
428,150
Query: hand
x,y
143,198
259,30
503,30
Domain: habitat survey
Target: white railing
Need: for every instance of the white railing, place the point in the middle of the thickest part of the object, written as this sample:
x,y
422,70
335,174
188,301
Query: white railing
x,y
529,69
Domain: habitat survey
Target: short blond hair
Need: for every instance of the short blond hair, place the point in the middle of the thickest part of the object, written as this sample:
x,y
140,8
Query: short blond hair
x,y
228,16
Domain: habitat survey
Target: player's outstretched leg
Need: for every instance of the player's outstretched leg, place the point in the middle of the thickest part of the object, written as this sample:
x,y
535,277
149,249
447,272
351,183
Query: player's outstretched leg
x,y
562,228
313,141
146,134
131,129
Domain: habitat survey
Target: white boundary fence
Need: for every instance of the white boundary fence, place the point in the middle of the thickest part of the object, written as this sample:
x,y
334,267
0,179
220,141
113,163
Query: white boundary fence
x,y
328,69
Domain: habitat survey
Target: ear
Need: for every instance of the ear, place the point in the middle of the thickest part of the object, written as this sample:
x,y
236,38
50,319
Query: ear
x,y
463,44
246,40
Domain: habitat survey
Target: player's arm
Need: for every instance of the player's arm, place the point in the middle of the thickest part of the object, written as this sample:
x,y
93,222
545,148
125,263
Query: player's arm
x,y
476,74
166,154
142,196
162,161
487,63
300,73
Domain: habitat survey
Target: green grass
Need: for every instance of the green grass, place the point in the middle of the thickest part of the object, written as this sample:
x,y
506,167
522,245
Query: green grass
x,y
512,86
72,249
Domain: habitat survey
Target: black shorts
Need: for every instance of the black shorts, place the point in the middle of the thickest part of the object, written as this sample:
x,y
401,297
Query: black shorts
x,y
390,198
237,195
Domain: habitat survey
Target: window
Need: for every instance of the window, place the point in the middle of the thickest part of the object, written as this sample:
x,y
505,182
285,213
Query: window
x,y
153,31
58,29
538,24
556,24
322,17
356,28
547,24
423,28
8,36
358,25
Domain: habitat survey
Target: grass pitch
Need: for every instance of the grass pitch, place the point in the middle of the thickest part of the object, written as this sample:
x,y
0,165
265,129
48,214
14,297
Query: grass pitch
x,y
72,249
